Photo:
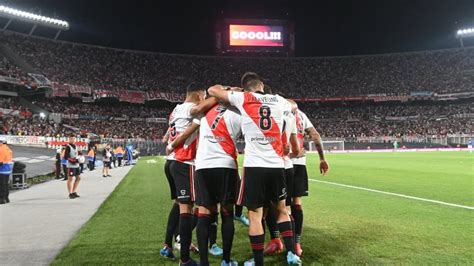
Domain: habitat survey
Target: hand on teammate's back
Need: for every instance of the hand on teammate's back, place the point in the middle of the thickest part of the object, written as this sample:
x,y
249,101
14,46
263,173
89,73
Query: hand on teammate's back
x,y
323,167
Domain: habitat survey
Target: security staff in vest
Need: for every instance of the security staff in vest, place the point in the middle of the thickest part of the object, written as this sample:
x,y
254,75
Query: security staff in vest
x,y
119,154
71,155
6,168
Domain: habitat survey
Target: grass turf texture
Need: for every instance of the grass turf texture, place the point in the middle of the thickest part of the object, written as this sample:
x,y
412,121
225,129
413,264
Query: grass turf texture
x,y
342,225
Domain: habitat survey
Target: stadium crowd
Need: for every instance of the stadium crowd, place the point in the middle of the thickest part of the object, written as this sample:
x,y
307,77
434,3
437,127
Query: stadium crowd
x,y
65,106
331,122
113,69
11,71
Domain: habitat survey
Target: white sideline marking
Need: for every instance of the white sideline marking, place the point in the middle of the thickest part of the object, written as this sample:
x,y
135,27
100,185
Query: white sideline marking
x,y
395,194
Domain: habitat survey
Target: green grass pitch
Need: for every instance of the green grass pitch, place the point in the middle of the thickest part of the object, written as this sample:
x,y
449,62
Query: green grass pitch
x,y
342,225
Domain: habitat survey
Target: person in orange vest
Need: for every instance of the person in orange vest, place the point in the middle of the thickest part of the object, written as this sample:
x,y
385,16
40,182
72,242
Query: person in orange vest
x,y
6,169
119,152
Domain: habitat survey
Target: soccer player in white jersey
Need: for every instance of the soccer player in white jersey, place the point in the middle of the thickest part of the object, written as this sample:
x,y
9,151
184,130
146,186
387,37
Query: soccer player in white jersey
x,y
216,175
300,176
290,143
263,180
180,170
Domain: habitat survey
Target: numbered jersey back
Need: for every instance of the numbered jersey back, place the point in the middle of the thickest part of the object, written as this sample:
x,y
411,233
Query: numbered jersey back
x,y
262,124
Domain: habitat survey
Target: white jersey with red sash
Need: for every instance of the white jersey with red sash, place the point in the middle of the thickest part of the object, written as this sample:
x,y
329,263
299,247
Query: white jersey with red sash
x,y
302,123
289,128
218,132
180,119
262,123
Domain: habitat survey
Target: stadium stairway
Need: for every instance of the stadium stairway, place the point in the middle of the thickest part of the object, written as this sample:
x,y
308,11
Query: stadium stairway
x,y
16,59
41,220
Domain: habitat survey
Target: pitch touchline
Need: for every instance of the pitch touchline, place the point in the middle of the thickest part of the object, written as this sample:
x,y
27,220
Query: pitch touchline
x,y
395,194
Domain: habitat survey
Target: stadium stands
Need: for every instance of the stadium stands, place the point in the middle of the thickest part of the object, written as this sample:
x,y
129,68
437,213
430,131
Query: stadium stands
x,y
113,69
444,71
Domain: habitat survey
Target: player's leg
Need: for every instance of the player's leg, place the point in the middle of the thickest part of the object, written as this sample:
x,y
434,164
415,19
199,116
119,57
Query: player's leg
x,y
297,213
207,183
227,231
238,213
276,184
214,249
274,245
183,175
173,216
300,190
256,234
227,198
202,232
252,195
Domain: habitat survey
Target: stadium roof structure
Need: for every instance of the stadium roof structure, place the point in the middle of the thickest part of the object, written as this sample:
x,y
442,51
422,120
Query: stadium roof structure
x,y
20,15
464,33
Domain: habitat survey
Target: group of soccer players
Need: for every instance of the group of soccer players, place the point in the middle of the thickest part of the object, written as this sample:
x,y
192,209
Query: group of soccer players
x,y
202,168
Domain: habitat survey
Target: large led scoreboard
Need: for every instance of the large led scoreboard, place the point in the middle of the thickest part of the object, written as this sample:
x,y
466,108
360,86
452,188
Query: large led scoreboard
x,y
255,36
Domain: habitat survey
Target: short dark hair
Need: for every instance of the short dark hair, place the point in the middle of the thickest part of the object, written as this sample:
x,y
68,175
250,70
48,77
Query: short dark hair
x,y
249,80
267,89
194,87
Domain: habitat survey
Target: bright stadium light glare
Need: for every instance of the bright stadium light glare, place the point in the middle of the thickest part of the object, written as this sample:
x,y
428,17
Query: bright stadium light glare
x,y
12,13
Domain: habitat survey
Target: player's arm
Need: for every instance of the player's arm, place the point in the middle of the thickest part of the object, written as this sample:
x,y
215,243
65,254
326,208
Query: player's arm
x,y
182,137
166,137
204,106
295,146
316,138
219,92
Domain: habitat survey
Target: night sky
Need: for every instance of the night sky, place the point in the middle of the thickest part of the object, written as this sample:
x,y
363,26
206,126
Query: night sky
x,y
323,28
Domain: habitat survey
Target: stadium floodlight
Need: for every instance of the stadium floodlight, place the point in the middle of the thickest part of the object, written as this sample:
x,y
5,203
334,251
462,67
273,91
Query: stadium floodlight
x,y
12,13
464,33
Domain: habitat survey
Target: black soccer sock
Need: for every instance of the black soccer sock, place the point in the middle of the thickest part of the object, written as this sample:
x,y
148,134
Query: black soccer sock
x,y
293,227
270,220
173,221
185,233
238,210
227,231
195,217
213,229
287,234
257,248
297,212
202,232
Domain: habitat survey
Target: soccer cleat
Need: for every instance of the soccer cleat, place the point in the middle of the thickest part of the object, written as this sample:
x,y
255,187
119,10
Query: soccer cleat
x,y
298,250
230,263
190,262
167,252
76,195
244,220
274,246
250,262
293,259
71,196
215,250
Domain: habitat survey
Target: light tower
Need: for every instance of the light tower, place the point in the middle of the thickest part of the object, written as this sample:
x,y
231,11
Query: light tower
x,y
464,33
14,14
